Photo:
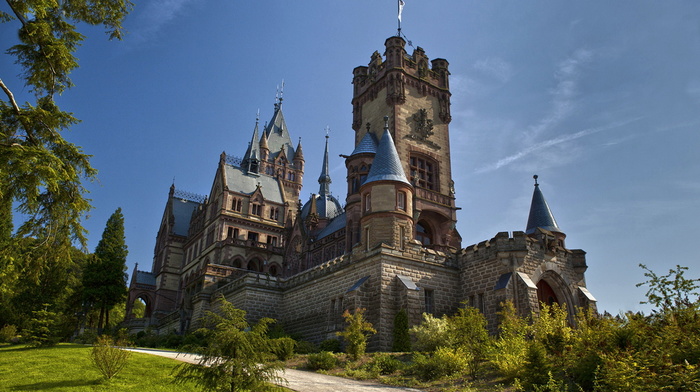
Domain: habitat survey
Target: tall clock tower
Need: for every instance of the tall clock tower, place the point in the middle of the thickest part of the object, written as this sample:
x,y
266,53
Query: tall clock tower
x,y
414,93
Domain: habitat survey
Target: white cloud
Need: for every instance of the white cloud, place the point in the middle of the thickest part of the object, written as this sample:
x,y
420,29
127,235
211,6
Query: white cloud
x,y
550,143
155,15
495,68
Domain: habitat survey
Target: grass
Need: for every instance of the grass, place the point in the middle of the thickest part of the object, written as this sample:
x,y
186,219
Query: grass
x,y
67,367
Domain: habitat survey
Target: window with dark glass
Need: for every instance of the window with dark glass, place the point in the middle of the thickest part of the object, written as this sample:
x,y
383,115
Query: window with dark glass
x,y
429,301
256,209
401,201
423,234
423,173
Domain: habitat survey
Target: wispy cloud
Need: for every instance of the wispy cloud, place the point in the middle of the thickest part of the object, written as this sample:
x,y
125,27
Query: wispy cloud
x,y
154,15
495,68
563,95
550,143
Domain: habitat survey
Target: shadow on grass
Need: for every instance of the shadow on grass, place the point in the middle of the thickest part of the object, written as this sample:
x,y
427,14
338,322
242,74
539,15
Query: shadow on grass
x,y
49,385
24,347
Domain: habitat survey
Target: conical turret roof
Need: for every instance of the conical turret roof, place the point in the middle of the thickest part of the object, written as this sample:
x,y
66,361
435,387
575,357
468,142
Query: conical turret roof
x,y
387,165
540,214
253,151
367,145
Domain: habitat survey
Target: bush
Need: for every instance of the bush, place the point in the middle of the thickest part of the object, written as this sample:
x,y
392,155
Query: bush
x,y
401,338
322,361
7,333
330,345
305,347
89,336
432,333
109,359
442,363
355,333
384,364
41,328
283,348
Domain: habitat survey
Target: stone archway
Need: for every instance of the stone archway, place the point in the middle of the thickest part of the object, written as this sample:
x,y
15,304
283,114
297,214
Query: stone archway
x,y
551,289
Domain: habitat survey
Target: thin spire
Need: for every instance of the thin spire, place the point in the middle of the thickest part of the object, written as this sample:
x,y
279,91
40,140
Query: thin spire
x,y
540,214
325,179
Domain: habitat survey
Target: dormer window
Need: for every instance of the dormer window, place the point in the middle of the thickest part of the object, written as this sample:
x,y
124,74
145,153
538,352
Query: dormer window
x,y
256,209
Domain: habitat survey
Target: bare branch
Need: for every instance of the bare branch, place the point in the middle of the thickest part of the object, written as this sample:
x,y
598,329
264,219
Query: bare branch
x,y
10,96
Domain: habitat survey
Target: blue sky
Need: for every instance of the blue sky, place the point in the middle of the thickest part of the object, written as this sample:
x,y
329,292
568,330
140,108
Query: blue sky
x,y
600,99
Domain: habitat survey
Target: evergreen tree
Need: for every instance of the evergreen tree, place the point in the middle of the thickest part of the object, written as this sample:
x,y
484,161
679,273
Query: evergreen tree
x,y
104,278
401,337
41,173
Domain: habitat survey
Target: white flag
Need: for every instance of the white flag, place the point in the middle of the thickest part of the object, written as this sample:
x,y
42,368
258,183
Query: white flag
x,y
401,4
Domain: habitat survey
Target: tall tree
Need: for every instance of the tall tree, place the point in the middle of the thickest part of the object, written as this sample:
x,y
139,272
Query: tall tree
x,y
104,278
40,171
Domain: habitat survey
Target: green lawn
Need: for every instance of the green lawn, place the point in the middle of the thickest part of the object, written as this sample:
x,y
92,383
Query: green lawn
x,y
67,367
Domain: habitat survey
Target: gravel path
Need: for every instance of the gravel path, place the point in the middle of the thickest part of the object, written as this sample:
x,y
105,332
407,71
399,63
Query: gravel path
x,y
299,380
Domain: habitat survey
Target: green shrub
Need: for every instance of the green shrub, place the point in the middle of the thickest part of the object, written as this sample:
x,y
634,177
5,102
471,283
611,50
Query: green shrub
x,y
442,363
305,347
41,328
384,364
322,361
283,348
109,359
432,333
355,333
7,333
330,345
509,349
401,338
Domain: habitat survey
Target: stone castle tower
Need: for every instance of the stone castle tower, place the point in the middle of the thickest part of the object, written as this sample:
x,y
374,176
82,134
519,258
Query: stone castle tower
x,y
393,245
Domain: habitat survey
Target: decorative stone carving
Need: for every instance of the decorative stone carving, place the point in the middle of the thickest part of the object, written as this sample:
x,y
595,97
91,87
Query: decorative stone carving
x,y
422,129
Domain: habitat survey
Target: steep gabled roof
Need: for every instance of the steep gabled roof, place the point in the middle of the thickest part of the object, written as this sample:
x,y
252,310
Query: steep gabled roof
x,y
387,165
239,181
278,135
540,214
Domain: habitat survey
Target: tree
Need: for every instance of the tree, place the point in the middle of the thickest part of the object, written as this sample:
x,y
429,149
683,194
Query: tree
x,y
355,333
104,277
40,171
401,337
469,332
239,357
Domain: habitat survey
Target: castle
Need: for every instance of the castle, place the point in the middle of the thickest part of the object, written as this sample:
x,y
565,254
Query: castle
x,y
392,246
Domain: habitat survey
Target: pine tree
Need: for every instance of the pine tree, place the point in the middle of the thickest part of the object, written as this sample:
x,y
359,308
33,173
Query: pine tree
x,y
41,173
104,277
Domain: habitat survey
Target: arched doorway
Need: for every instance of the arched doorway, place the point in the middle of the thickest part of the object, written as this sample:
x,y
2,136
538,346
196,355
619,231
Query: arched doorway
x,y
546,294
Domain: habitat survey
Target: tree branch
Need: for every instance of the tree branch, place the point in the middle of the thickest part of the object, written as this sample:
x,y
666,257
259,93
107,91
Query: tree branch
x,y
10,96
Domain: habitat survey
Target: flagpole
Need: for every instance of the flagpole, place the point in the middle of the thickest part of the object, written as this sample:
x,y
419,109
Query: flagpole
x,y
398,11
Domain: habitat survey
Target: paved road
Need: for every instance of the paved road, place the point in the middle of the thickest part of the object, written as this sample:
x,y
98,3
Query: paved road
x,y
300,380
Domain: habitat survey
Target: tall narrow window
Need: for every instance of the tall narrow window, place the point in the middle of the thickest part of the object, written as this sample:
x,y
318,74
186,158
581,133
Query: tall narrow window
x,y
401,201
229,234
368,202
256,209
236,204
429,301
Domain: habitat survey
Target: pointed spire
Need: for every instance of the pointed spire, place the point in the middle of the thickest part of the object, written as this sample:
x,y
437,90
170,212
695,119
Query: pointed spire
x,y
252,154
386,165
299,155
325,178
540,214
263,142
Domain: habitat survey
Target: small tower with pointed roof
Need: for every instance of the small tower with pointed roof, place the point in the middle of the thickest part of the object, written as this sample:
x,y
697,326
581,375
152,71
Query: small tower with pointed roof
x,y
541,221
386,198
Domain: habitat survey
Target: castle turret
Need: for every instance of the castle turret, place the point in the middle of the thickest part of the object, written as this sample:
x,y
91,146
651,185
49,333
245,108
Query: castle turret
x,y
387,198
541,217
251,159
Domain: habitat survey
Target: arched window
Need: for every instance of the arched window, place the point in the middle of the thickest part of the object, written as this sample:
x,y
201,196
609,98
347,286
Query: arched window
x,y
423,234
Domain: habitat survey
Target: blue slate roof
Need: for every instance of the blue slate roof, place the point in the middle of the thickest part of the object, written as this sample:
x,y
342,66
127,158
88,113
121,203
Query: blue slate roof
x,y
147,278
336,224
182,213
327,206
239,181
540,214
387,165
366,146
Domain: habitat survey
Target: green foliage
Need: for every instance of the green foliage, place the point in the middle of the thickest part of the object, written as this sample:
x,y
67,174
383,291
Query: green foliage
x,y
355,333
108,357
324,360
672,292
41,328
42,173
283,348
384,364
239,357
432,333
401,338
509,350
537,369
443,362
305,347
331,345
468,328
7,333
551,328
104,277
